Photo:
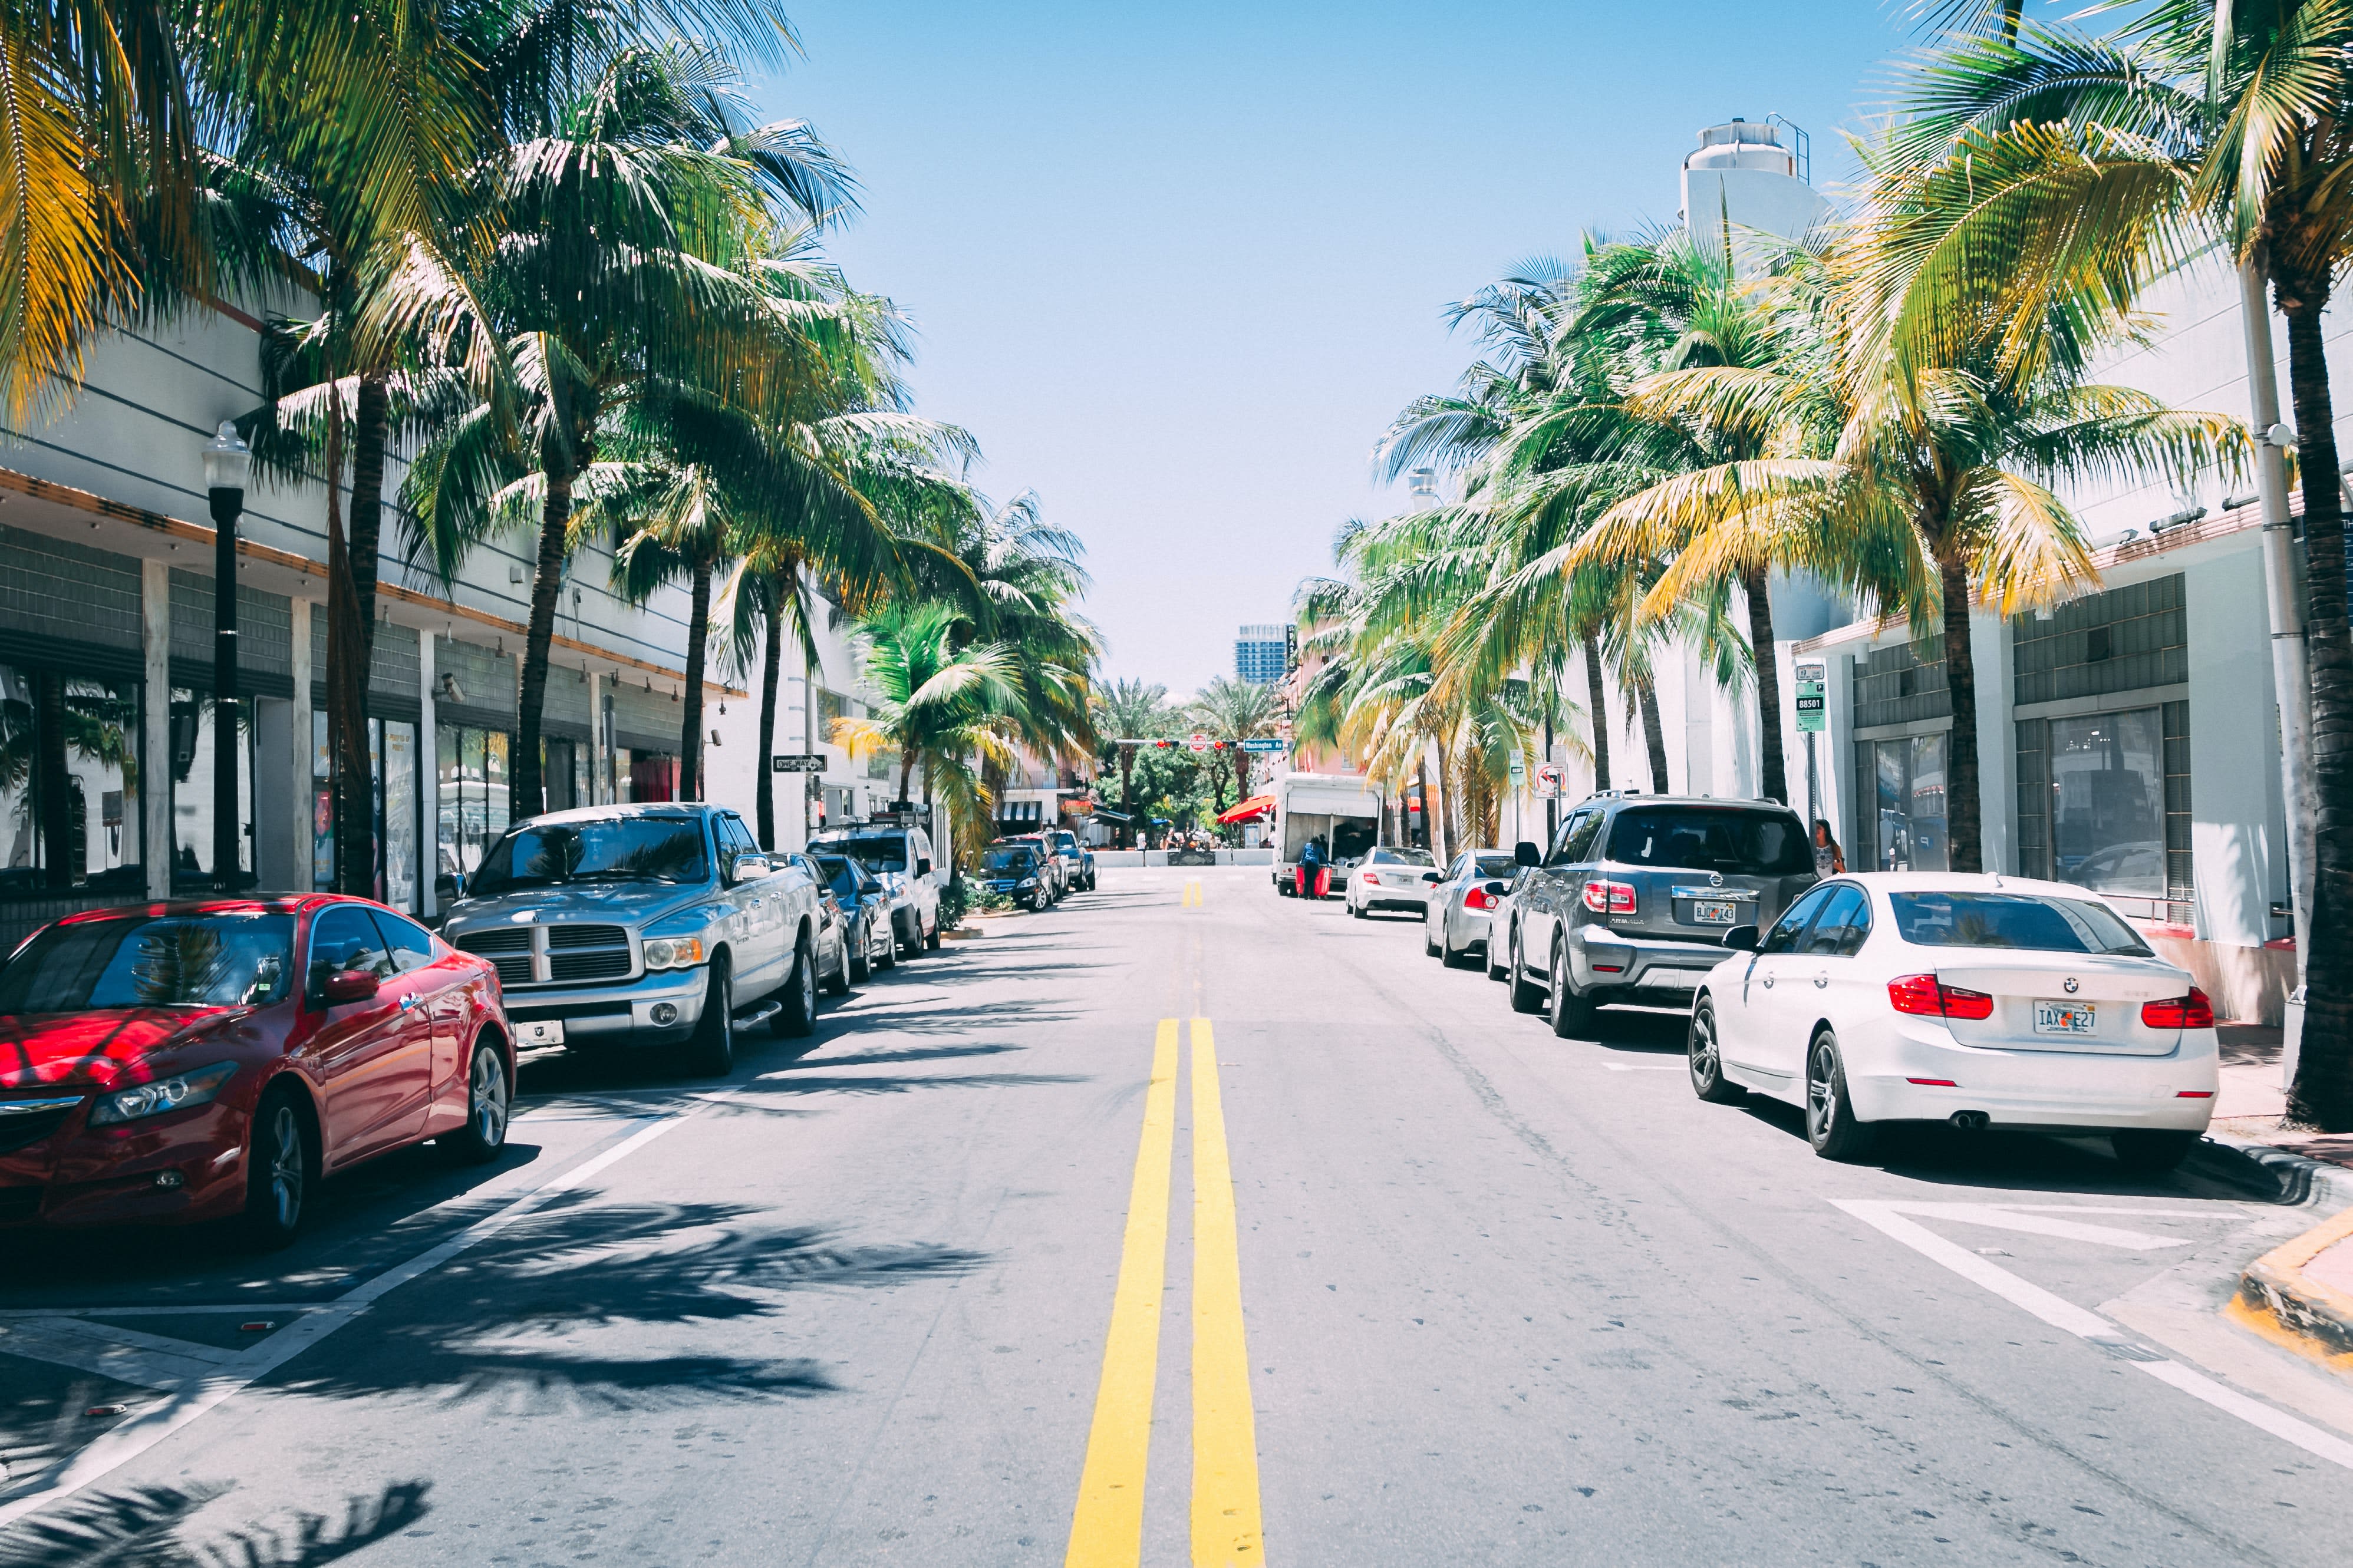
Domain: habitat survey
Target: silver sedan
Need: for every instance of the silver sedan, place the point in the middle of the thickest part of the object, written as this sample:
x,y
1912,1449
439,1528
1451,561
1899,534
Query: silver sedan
x,y
1455,925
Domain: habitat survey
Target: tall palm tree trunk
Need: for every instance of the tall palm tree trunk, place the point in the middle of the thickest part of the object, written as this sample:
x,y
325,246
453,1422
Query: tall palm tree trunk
x,y
1754,584
698,639
906,777
1654,734
764,788
525,796
1595,692
2322,1095
351,603
1964,823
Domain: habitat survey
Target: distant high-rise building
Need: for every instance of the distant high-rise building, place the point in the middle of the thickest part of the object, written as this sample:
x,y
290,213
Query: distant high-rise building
x,y
1258,654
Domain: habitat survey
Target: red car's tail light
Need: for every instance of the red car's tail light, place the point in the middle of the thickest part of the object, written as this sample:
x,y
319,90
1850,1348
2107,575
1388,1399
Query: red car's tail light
x,y
1925,996
2190,1012
1609,897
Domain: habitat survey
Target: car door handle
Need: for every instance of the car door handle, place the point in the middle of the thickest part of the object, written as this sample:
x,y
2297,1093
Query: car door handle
x,y
1769,982
1822,980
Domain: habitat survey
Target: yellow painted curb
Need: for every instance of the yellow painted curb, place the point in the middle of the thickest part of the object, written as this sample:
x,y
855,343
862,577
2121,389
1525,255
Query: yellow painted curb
x,y
2279,1300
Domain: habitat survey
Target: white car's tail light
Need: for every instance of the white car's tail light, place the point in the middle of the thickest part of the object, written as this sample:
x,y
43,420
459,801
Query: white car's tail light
x,y
2190,1012
1370,876
1604,897
1925,996
1480,899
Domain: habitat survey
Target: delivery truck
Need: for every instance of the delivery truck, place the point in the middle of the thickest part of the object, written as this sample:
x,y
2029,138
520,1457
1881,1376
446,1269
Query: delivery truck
x,y
1340,813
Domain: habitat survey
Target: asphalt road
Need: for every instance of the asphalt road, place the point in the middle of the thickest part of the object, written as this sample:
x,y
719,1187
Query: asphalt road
x,y
1408,1282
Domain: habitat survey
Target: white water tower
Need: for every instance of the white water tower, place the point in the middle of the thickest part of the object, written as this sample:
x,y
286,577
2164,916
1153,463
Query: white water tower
x,y
1745,175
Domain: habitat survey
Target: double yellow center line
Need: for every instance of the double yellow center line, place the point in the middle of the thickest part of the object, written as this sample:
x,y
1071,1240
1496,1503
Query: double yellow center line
x,y
1194,893
1107,1526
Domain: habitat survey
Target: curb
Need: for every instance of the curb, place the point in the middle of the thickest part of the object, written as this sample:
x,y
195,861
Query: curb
x,y
961,934
2275,1297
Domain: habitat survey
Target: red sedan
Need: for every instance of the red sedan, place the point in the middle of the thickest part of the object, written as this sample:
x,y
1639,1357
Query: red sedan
x,y
196,1061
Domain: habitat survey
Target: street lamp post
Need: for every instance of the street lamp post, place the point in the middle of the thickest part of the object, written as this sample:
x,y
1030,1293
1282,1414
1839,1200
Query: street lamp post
x,y
226,461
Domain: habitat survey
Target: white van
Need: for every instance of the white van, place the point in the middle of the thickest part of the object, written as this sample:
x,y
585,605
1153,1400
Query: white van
x,y
901,857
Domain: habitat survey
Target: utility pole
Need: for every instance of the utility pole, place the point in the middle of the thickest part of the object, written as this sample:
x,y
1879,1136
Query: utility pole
x,y
2290,682
227,462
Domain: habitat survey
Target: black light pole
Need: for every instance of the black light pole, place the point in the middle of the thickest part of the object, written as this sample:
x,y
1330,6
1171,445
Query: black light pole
x,y
226,461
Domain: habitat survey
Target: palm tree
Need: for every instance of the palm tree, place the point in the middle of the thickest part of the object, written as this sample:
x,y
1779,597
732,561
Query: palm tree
x,y
630,263
937,703
2090,163
1129,711
1232,711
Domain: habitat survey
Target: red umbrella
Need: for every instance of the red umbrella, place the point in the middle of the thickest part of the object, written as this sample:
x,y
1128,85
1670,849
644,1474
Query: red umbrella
x,y
1256,805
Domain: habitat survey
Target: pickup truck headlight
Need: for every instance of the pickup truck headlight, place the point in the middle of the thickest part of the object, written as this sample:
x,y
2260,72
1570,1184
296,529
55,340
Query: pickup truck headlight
x,y
673,952
177,1093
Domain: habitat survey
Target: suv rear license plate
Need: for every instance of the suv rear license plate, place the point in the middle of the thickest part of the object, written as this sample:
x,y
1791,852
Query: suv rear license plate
x,y
2064,1017
541,1032
1714,911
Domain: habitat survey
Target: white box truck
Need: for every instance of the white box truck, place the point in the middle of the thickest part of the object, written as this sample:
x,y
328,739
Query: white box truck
x,y
1341,813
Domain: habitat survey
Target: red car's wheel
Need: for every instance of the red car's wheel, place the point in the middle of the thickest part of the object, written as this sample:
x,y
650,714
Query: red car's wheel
x,y
279,1169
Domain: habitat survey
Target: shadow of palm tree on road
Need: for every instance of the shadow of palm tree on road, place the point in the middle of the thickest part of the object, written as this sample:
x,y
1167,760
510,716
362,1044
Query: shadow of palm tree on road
x,y
141,1528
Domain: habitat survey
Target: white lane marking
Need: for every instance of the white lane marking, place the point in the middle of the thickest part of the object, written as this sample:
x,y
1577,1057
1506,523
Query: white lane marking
x,y
199,1395
2068,1318
122,1354
2000,1217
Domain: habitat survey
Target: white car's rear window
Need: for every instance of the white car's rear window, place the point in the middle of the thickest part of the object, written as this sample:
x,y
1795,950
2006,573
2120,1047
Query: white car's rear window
x,y
2024,921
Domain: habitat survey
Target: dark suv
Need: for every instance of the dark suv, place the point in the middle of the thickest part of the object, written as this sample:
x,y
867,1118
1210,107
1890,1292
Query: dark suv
x,y
1632,902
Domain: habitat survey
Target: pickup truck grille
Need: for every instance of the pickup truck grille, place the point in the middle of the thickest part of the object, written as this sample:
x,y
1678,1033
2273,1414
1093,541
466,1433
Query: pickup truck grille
x,y
587,966
563,936
513,971
499,939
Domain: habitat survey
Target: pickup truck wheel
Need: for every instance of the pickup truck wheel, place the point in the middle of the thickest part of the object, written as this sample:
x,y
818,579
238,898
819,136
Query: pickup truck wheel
x,y
1526,997
797,1017
713,1049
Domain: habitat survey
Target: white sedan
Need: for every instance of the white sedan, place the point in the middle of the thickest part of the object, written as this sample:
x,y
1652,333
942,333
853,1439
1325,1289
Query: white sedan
x,y
1388,878
1981,1001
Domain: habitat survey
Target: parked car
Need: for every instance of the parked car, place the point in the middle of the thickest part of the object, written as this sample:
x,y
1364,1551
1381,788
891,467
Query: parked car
x,y
1078,861
1051,870
1979,1000
866,914
904,853
1015,869
213,1060
647,926
1455,923
1631,903
832,925
1390,879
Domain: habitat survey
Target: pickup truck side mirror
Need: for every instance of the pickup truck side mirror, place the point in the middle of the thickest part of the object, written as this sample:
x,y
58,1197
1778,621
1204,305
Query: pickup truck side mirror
x,y
922,868
1525,853
1741,938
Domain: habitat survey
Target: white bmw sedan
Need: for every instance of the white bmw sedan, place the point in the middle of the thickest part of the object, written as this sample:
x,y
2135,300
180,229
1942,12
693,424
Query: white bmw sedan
x,y
1981,1001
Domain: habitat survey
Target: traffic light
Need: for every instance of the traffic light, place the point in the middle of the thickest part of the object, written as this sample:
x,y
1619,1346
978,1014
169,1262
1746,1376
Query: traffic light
x,y
1290,648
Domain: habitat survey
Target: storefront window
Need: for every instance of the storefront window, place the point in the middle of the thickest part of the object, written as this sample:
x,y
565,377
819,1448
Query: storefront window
x,y
393,762
1908,774
2107,802
193,755
644,775
68,782
470,802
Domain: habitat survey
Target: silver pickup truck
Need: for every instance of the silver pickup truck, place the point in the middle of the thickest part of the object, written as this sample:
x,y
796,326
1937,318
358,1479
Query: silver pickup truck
x,y
643,925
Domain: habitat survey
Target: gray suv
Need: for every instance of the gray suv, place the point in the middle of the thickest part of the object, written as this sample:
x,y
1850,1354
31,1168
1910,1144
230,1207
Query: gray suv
x,y
643,925
1631,903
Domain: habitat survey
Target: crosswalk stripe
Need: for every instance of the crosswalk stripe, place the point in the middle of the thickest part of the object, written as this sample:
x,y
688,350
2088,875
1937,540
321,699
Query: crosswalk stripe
x,y
1107,1526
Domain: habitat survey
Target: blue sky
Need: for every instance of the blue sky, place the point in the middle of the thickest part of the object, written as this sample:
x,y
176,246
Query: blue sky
x,y
1176,267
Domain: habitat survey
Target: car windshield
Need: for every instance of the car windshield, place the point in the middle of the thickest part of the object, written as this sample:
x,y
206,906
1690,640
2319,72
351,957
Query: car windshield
x,y
1496,865
886,852
2029,920
601,849
1006,862
1385,855
231,959
839,875
1711,839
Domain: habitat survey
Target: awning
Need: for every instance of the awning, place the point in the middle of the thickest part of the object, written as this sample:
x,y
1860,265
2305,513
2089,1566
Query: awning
x,y
1255,806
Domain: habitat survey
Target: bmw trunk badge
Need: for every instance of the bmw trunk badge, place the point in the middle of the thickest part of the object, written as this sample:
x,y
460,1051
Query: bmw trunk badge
x,y
2070,984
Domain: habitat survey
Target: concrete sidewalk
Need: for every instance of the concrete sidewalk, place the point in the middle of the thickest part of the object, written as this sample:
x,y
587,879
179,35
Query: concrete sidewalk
x,y
2301,1293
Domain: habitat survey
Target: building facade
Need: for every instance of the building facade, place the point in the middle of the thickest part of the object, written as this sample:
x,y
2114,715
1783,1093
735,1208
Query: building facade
x,y
1261,654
